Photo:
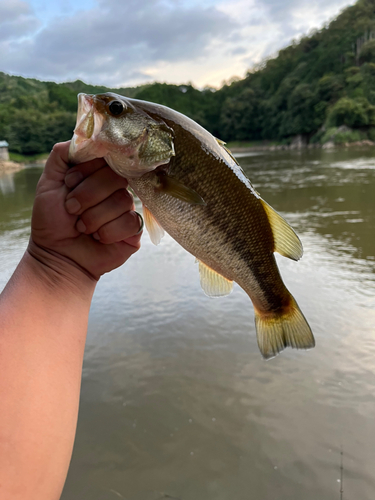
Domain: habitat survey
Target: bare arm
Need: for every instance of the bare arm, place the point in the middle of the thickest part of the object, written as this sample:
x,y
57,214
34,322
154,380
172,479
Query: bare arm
x,y
43,320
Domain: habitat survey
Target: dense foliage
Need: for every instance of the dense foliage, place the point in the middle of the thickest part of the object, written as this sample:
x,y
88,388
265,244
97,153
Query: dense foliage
x,y
326,80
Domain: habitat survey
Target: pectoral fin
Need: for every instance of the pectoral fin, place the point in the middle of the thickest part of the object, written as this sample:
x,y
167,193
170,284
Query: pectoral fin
x,y
177,189
287,242
212,283
153,227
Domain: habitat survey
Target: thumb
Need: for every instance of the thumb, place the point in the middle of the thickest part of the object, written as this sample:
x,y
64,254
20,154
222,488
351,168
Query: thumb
x,y
58,162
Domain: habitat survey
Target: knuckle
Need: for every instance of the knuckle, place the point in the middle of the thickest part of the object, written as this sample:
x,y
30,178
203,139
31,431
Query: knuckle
x,y
137,244
134,244
60,147
124,197
83,198
105,234
75,168
88,221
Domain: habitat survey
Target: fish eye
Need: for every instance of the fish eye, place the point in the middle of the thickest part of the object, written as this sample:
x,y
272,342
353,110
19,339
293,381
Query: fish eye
x,y
116,108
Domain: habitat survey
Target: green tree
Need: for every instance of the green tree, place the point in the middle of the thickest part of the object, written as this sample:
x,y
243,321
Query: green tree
x,y
27,132
352,112
301,116
367,53
240,117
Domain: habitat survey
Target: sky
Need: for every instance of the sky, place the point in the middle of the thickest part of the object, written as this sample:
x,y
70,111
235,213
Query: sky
x,y
121,43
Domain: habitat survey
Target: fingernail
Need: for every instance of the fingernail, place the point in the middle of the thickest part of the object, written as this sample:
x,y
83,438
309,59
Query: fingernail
x,y
80,226
96,236
71,180
72,205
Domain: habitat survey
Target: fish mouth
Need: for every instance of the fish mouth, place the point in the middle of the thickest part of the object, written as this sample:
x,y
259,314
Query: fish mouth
x,y
88,126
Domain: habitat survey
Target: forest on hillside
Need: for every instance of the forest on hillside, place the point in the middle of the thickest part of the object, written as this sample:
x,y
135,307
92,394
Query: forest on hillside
x,y
312,87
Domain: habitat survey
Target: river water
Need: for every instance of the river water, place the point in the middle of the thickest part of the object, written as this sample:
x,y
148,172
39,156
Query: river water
x,y
176,400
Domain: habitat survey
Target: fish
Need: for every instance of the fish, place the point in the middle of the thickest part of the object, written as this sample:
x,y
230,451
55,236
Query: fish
x,y
192,187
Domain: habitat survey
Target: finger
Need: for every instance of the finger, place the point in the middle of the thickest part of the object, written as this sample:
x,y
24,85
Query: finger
x,y
120,202
93,190
134,241
120,229
57,162
76,174
118,253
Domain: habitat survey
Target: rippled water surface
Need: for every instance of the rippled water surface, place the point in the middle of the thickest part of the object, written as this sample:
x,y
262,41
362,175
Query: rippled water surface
x,y
176,400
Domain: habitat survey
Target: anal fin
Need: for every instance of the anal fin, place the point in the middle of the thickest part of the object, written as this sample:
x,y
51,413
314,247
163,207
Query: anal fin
x,y
153,227
212,283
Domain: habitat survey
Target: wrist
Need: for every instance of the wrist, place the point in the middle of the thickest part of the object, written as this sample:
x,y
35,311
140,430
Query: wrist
x,y
59,273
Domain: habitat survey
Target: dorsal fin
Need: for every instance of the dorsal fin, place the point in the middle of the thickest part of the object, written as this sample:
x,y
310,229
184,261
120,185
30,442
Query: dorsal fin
x,y
153,227
212,283
223,145
220,142
287,242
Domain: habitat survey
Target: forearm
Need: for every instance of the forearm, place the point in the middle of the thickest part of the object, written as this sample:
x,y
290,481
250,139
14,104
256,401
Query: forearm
x,y
43,323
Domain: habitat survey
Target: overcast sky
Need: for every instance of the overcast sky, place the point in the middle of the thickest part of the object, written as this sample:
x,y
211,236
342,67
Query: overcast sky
x,y
129,42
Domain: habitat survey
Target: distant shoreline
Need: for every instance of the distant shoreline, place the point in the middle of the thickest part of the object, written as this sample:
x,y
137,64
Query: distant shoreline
x,y
299,147
7,166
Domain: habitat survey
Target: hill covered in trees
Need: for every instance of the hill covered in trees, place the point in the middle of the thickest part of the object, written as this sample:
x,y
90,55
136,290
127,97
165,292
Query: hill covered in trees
x,y
315,85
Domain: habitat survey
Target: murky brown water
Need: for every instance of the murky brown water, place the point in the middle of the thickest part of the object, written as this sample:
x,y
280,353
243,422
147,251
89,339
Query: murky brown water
x,y
176,400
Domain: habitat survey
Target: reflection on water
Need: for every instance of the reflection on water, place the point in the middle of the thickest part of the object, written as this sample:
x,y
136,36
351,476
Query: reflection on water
x,y
332,195
17,191
176,400
7,184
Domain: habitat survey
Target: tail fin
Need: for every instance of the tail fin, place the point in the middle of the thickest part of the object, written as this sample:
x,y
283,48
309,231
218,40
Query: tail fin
x,y
287,328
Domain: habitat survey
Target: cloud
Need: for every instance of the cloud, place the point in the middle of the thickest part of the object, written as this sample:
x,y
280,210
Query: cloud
x,y
114,40
266,26
16,20
238,50
128,42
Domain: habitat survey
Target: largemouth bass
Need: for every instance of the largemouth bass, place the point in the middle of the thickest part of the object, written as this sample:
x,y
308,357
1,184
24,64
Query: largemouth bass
x,y
193,188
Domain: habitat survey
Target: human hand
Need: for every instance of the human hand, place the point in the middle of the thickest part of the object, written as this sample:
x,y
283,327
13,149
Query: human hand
x,y
83,217
44,313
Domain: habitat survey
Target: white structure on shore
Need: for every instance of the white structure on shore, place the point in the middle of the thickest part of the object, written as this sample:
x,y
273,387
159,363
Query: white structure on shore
x,y
4,154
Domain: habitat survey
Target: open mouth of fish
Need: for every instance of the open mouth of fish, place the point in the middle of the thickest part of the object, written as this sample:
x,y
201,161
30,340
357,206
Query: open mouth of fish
x,y
88,126
131,142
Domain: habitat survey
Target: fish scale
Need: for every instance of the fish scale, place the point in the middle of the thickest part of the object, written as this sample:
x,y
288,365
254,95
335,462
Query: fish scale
x,y
234,239
192,187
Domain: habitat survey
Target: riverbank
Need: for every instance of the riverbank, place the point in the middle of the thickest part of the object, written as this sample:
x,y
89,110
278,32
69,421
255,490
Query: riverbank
x,y
7,166
298,146
235,148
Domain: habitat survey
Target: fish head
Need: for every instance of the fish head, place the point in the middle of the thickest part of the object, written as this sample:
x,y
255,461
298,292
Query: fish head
x,y
112,127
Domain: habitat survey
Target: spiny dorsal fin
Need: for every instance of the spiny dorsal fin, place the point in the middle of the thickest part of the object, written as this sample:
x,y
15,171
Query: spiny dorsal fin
x,y
177,189
212,283
153,227
220,142
223,145
287,242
